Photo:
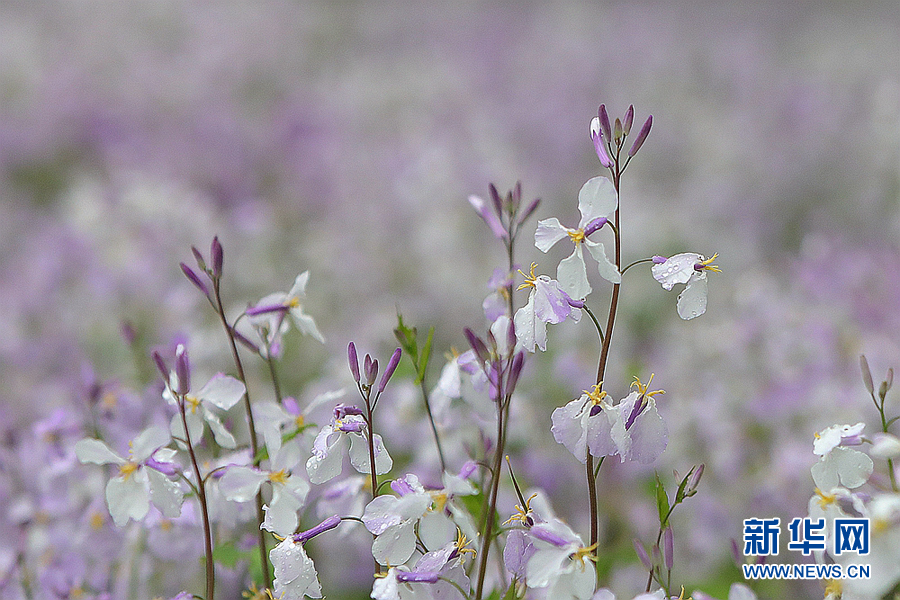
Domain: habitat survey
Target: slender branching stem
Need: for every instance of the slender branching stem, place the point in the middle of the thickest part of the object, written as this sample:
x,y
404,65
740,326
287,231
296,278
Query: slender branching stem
x,y
254,442
204,506
437,438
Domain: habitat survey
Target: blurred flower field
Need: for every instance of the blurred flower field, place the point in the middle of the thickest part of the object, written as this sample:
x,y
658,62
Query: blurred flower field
x,y
344,139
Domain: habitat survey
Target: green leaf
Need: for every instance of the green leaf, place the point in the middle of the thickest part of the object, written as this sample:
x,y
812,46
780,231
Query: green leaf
x,y
662,502
426,356
679,495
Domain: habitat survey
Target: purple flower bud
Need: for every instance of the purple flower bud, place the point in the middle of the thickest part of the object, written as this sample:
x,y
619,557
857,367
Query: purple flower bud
x,y
417,577
478,345
641,136
264,309
329,523
617,130
736,553
642,554
201,264
548,536
669,548
389,369
600,148
193,278
594,225
290,405
629,119
495,199
528,211
516,195
354,361
218,256
370,367
658,260
604,122
160,365
514,371
866,373
182,370
694,481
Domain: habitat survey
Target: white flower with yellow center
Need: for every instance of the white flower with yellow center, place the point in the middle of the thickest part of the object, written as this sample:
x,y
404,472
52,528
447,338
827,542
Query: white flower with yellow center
x,y
141,478
597,201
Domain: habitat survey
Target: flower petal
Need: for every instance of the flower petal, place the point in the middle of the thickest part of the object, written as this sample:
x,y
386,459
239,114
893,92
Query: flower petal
x,y
692,300
222,390
607,270
549,231
572,275
597,198
96,452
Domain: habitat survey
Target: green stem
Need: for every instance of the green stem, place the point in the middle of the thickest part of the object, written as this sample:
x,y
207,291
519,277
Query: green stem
x,y
204,507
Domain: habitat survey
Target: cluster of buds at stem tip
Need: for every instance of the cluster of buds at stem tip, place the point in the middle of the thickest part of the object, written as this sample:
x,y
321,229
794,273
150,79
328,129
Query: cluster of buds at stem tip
x,y
495,363
507,215
370,369
213,272
609,138
870,384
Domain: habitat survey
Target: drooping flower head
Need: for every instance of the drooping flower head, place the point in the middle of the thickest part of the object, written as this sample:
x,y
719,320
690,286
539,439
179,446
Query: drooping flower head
x,y
689,268
269,315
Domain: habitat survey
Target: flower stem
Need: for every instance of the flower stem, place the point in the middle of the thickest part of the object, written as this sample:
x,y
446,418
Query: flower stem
x,y
204,507
492,505
254,443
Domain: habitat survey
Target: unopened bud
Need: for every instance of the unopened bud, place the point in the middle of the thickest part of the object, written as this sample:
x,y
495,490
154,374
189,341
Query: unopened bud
x,y
641,136
629,119
182,370
886,384
530,210
617,130
866,373
514,371
694,481
669,548
389,370
193,278
642,554
354,361
370,366
160,365
218,256
478,345
495,199
604,122
201,264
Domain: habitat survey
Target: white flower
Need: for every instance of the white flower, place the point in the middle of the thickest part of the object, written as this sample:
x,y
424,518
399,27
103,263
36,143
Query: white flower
x,y
583,424
289,490
688,268
840,465
221,391
347,427
295,573
547,303
597,200
269,314
139,481
560,562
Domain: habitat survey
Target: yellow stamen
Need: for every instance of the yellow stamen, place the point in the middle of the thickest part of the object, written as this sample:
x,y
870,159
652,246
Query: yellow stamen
x,y
278,477
585,553
825,499
642,388
596,394
462,543
440,501
522,512
127,469
109,400
165,525
707,265
576,236
295,301
834,588
193,401
529,279
300,421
